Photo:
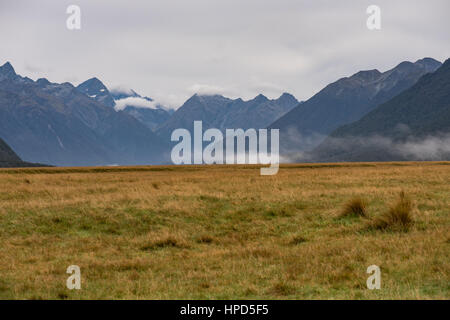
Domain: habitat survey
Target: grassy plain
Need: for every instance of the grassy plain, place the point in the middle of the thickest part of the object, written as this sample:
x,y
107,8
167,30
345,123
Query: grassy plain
x,y
223,232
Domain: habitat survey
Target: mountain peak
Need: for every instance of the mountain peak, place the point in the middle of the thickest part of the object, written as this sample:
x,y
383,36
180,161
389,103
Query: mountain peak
x,y
428,60
287,97
429,64
260,98
7,66
209,99
7,71
194,99
92,84
95,89
367,75
42,82
404,64
426,64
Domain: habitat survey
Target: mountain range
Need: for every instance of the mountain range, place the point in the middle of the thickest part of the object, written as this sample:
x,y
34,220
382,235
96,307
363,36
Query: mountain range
x,y
400,114
414,125
345,101
150,114
64,125
60,125
216,111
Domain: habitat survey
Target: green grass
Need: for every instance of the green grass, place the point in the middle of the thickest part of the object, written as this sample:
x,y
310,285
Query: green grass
x,y
220,232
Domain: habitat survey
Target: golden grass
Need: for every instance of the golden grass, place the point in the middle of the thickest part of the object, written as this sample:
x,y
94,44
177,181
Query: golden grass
x,y
221,232
356,207
398,217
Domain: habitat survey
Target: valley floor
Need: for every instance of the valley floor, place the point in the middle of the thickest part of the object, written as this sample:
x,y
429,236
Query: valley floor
x,y
222,232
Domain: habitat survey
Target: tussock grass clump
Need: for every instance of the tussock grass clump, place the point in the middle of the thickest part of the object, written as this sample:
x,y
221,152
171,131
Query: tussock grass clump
x,y
166,242
355,207
155,185
62,296
297,240
205,239
398,217
282,288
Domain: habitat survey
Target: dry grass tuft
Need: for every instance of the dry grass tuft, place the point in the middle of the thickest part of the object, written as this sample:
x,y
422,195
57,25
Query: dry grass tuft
x,y
205,239
398,217
356,207
155,185
166,242
282,288
297,240
62,296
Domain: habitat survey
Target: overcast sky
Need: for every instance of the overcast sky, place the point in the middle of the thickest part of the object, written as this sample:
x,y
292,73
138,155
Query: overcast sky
x,y
170,49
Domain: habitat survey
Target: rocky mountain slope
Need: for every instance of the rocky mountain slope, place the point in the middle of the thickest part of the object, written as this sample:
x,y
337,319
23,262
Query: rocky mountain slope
x,y
414,125
58,124
216,111
346,101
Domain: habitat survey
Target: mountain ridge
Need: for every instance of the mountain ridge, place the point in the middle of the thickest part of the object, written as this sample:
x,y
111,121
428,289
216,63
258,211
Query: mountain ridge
x,y
150,117
58,124
344,101
217,111
9,159
418,117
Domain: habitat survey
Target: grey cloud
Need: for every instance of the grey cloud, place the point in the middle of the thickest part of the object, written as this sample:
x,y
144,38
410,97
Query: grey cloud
x,y
165,48
429,148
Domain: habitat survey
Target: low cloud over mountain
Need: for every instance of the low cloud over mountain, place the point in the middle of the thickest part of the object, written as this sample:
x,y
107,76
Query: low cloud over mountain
x,y
62,125
346,101
414,125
